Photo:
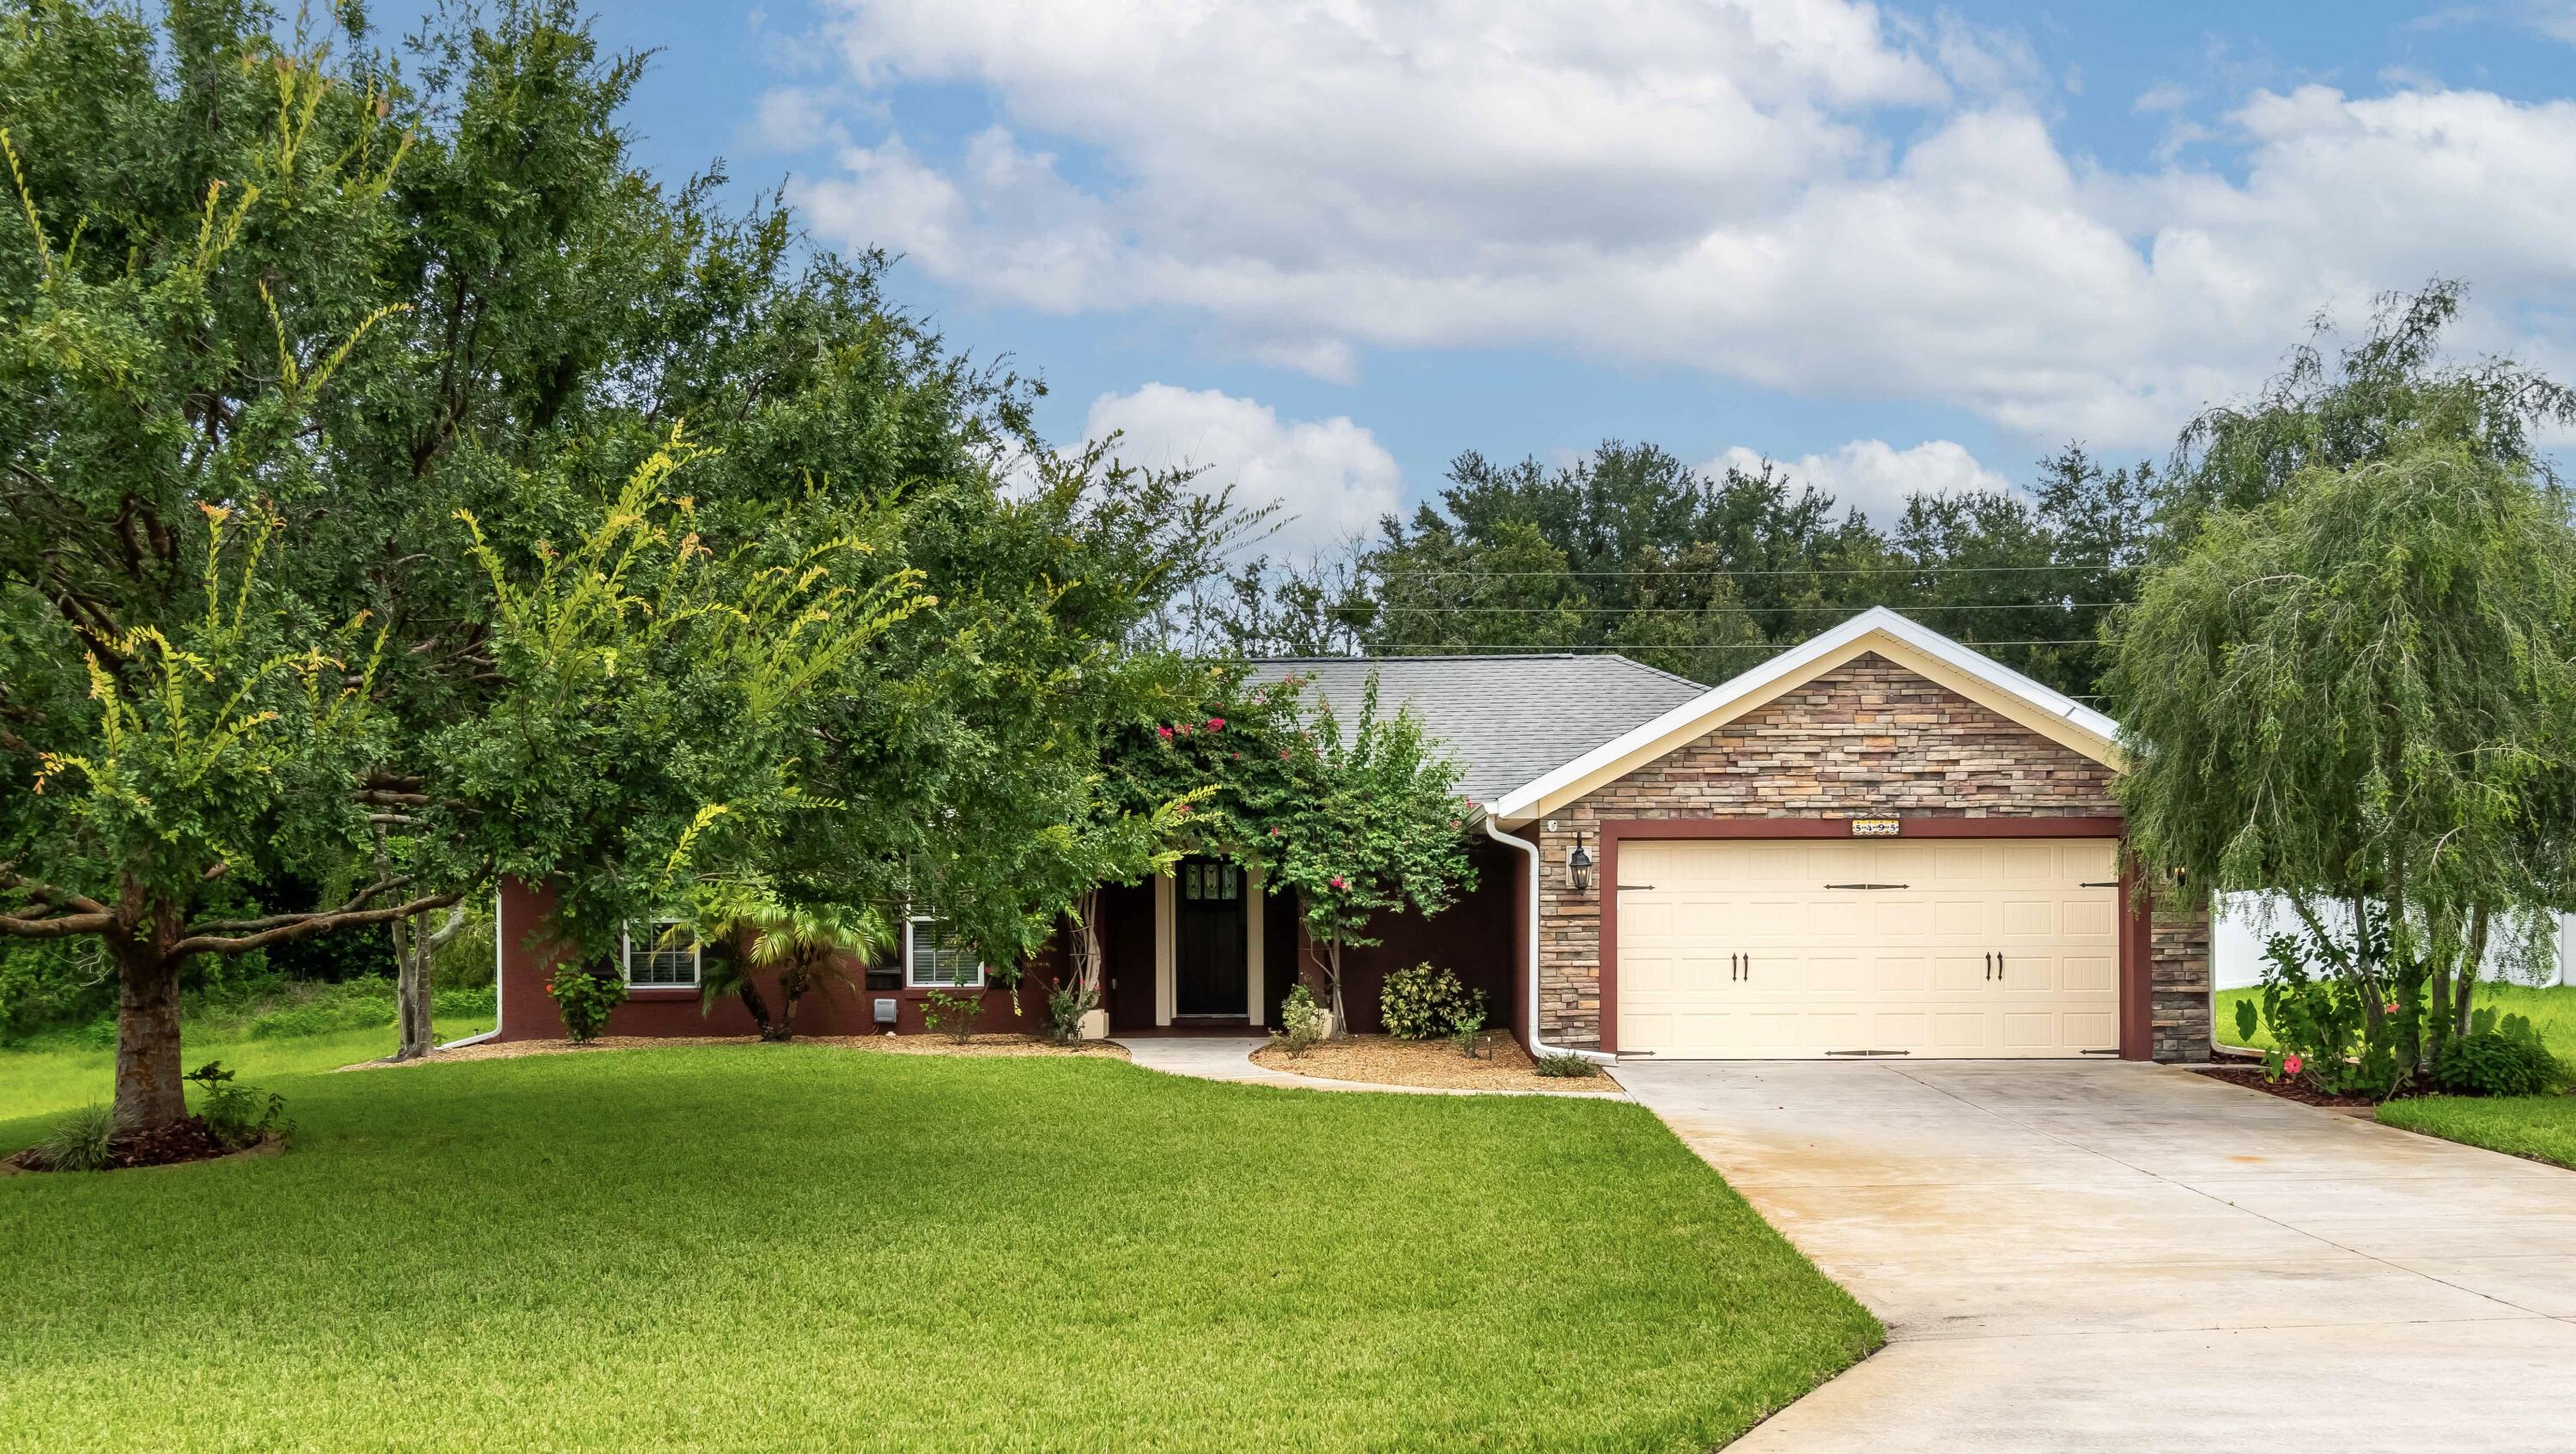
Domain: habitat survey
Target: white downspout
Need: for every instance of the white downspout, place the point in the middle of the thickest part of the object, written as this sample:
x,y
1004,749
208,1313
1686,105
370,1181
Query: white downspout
x,y
1537,1047
500,937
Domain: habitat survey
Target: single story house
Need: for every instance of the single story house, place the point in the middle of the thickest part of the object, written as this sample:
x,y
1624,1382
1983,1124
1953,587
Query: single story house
x,y
1878,843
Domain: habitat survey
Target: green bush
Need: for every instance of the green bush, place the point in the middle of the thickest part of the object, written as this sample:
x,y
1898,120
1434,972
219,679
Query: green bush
x,y
1066,1006
1423,1003
1566,1065
2336,1028
79,1141
1469,1027
584,999
236,1115
2497,1058
952,1014
1301,1022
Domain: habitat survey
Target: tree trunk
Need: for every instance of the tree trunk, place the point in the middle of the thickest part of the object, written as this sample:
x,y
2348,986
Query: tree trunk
x,y
412,953
748,991
2471,960
1341,1017
150,1093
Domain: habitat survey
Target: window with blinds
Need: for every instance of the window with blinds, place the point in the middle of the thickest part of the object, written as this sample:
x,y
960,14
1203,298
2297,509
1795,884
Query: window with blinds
x,y
665,953
937,959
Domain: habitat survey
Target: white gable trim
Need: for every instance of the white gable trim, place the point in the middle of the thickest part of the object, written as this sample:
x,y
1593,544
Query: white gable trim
x,y
1911,644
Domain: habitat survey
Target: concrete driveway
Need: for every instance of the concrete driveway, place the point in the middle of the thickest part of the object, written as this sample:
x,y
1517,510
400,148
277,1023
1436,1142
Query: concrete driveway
x,y
2132,1257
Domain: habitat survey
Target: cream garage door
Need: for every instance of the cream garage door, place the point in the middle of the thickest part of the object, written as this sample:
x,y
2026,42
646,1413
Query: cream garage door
x,y
1806,948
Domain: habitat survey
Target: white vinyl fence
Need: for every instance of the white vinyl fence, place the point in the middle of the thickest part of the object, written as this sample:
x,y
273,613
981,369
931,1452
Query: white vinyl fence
x,y
2236,948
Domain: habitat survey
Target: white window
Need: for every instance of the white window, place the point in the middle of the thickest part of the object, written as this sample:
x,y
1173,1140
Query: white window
x,y
937,958
664,954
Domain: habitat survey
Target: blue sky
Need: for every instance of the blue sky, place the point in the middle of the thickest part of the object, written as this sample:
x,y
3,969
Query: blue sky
x,y
1322,249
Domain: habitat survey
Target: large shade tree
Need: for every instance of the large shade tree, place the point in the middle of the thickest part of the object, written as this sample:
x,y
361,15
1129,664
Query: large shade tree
x,y
2361,692
316,380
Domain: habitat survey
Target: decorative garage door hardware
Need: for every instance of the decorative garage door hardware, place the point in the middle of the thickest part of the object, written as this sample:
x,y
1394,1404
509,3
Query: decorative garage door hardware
x,y
1994,966
2099,883
1867,1054
1869,886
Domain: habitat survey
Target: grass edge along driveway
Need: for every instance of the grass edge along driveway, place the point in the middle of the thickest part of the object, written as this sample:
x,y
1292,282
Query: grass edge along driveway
x,y
767,1247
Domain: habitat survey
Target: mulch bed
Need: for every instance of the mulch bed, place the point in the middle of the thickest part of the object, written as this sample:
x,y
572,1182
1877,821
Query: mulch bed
x,y
176,1145
1435,1064
883,1044
2289,1089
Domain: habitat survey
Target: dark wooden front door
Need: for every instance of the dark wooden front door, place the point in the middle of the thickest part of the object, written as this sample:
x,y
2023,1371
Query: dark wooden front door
x,y
1208,963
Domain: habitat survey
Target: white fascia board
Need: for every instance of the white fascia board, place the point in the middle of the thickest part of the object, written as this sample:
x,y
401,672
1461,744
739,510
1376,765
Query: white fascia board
x,y
1788,665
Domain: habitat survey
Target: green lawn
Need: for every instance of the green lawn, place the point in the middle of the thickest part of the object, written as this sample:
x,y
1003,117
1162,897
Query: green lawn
x,y
801,1247
2552,1011
2541,1126
57,1073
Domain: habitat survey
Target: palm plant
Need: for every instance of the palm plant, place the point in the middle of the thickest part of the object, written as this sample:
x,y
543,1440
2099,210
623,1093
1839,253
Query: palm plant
x,y
802,945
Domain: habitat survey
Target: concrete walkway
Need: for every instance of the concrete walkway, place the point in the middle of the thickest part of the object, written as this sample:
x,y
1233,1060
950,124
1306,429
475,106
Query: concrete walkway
x,y
2132,1257
1229,1057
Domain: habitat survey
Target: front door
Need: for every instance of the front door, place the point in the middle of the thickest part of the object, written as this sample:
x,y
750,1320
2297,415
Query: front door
x,y
1208,969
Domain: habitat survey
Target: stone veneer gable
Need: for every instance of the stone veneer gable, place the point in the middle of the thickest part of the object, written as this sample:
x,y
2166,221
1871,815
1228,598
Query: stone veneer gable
x,y
1868,738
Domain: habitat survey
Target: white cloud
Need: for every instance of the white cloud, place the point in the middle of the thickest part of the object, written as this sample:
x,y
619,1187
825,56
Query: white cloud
x,y
1698,184
1331,477
1874,476
2162,96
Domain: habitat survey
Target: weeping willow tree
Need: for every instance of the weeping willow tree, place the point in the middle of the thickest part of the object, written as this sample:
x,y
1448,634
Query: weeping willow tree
x,y
2362,692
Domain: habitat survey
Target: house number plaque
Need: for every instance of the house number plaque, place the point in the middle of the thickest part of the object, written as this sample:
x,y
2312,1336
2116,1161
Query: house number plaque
x,y
1875,827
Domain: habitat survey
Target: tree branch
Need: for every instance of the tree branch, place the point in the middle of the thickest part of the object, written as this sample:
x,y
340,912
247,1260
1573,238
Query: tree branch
x,y
356,902
306,925
61,926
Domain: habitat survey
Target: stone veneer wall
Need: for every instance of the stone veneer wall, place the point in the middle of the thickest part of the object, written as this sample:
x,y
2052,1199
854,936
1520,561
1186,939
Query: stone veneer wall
x,y
2178,995
1867,739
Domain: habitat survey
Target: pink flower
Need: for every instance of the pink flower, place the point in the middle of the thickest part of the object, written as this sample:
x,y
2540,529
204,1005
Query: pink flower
x,y
1341,883
2392,1007
2293,1064
1179,809
1234,757
1164,732
1283,754
1274,832
1216,724
1183,729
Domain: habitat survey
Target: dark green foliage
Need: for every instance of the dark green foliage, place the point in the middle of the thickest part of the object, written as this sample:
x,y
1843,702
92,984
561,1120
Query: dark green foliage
x,y
1565,1065
584,996
2346,1017
236,1115
80,1141
2500,1056
1704,575
1426,1003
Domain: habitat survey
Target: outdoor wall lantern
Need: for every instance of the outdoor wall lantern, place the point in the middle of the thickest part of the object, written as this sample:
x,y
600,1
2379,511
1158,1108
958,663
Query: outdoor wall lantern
x,y
1578,866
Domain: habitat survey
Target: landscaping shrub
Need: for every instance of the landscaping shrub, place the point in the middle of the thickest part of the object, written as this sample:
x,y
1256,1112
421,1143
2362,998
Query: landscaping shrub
x,y
1301,1022
953,1014
584,997
2336,1029
1469,1026
79,1141
1423,1003
2497,1058
236,1115
1566,1065
1066,1006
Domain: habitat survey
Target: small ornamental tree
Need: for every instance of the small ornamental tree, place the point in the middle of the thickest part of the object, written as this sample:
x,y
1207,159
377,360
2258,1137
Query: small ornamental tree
x,y
2363,693
1368,819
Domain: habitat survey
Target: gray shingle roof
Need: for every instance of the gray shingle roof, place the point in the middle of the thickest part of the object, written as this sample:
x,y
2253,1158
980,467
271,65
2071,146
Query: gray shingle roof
x,y
1508,719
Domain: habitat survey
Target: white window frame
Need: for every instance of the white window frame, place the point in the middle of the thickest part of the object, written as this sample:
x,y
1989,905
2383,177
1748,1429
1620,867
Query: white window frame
x,y
626,957
911,977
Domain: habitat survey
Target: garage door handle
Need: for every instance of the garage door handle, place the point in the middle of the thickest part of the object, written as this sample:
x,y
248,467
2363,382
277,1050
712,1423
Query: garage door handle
x,y
1735,966
1999,965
